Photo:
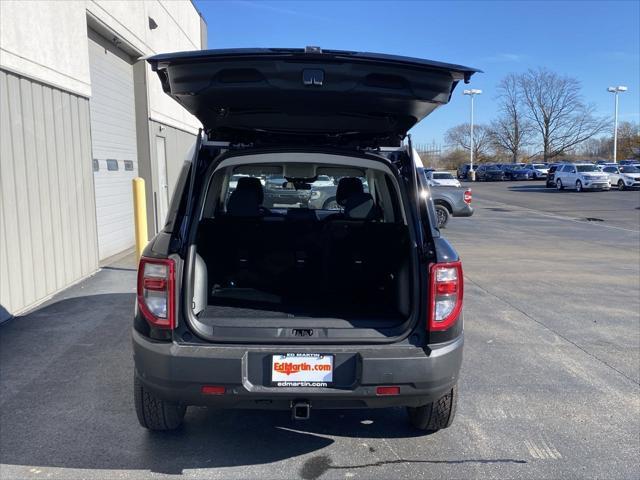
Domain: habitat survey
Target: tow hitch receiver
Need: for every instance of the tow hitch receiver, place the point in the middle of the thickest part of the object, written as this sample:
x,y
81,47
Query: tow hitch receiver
x,y
300,410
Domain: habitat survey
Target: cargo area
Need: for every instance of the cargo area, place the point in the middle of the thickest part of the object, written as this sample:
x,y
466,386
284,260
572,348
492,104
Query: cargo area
x,y
277,271
342,273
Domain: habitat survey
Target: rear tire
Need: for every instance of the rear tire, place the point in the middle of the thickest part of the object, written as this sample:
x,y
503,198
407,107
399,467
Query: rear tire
x,y
436,415
620,185
155,413
442,215
559,184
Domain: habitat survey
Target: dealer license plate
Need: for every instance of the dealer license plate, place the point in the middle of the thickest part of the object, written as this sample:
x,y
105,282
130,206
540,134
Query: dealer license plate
x,y
301,370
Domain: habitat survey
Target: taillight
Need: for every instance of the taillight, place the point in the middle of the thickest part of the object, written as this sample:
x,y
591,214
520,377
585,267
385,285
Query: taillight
x,y
467,196
213,390
388,391
156,291
445,294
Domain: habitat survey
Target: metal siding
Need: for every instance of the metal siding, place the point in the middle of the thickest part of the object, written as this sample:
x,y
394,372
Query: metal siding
x,y
32,208
177,144
47,223
113,136
11,292
43,187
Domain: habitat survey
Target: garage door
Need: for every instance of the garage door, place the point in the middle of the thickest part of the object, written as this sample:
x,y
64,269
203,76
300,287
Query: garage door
x,y
113,141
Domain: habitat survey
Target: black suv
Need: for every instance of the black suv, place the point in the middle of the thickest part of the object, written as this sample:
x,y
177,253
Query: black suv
x,y
244,305
487,173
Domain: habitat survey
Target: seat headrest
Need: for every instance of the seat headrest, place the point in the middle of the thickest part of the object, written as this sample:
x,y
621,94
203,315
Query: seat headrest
x,y
361,207
251,183
246,199
347,187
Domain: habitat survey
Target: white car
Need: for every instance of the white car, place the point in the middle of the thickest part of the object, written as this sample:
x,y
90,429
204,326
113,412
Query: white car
x,y
442,179
581,176
324,181
538,170
624,176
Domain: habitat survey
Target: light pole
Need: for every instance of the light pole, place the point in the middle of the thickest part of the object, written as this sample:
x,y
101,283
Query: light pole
x,y
615,91
472,93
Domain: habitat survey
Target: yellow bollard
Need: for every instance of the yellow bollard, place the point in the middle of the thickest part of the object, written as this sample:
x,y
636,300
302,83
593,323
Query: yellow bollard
x,y
139,215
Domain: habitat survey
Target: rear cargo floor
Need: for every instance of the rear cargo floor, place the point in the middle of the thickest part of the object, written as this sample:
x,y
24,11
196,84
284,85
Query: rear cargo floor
x,y
261,309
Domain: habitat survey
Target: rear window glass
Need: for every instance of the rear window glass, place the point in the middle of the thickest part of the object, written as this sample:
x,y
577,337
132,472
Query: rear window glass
x,y
442,176
280,192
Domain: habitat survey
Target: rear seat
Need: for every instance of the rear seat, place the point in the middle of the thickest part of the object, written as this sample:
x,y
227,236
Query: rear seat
x,y
298,254
359,252
248,247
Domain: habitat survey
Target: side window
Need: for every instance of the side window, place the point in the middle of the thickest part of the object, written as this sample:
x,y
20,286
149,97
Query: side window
x,y
112,165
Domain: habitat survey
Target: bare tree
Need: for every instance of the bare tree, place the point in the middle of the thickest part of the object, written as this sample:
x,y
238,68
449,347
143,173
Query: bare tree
x,y
628,140
459,136
628,143
557,112
511,131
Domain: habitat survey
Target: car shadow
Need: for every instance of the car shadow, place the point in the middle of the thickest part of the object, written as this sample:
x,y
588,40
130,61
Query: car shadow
x,y
538,188
66,401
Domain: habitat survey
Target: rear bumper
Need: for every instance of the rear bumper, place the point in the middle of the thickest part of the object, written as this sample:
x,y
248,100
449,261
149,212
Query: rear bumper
x,y
177,372
465,211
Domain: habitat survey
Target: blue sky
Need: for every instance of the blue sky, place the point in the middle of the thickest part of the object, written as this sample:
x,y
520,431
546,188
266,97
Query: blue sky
x,y
596,42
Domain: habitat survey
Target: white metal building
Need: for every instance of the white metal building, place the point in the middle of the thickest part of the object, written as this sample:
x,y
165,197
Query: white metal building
x,y
82,115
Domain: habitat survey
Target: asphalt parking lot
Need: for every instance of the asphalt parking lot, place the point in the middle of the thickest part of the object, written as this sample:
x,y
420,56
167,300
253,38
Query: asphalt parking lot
x,y
549,386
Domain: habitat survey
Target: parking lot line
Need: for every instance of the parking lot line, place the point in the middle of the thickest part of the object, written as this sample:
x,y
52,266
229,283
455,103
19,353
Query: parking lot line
x,y
558,217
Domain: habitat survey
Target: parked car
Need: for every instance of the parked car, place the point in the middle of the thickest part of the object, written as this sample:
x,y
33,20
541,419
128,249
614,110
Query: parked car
x,y
624,176
442,179
240,306
508,167
463,170
601,166
448,201
279,192
323,198
581,176
629,162
516,171
551,182
538,171
487,173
